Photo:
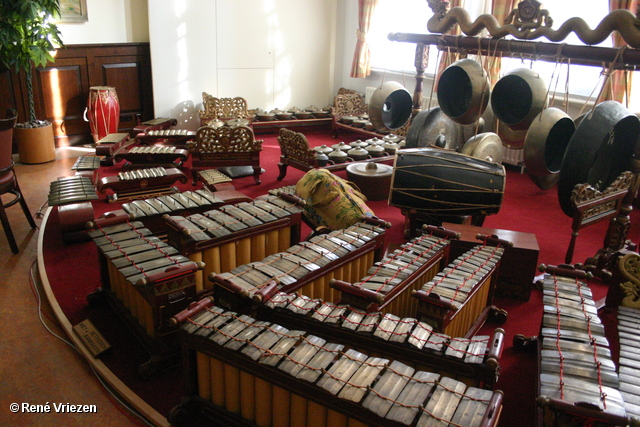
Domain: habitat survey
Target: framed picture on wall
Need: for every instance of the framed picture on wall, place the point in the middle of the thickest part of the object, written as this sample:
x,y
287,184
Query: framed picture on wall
x,y
73,11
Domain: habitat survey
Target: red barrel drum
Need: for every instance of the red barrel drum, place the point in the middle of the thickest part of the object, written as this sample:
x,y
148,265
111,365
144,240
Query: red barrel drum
x,y
103,111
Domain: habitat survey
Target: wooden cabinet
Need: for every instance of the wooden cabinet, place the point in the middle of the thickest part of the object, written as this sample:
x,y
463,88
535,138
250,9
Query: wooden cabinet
x,y
61,88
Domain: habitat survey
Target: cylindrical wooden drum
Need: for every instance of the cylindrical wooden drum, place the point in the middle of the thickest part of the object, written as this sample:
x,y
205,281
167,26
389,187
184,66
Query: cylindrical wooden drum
x,y
446,183
103,111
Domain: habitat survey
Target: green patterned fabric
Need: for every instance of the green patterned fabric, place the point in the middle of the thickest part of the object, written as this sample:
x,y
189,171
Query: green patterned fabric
x,y
331,201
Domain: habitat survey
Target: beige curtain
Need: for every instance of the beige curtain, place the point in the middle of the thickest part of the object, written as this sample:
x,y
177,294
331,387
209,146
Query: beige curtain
x,y
361,66
619,81
500,9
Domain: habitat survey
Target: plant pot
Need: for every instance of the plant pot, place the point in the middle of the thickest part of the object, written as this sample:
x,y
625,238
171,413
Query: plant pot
x,y
35,145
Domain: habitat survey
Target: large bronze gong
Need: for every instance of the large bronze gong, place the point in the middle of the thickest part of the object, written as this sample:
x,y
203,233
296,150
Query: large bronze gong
x,y
390,106
433,128
600,149
464,90
546,141
518,97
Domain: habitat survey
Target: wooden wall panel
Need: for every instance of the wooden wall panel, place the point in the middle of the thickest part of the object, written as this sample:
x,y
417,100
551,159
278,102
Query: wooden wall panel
x,y
9,92
61,88
125,75
61,98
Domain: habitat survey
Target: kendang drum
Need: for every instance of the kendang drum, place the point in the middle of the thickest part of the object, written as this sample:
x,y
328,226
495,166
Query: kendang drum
x,y
444,182
103,111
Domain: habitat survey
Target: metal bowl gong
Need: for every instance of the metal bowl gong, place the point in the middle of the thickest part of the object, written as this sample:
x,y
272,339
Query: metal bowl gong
x,y
546,141
432,128
518,97
390,106
464,90
484,146
599,150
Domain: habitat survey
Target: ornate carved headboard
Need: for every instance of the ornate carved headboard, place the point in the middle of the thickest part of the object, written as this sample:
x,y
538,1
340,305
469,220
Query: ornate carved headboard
x,y
223,108
225,146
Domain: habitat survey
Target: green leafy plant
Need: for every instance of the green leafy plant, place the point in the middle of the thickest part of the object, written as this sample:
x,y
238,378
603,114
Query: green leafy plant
x,y
28,36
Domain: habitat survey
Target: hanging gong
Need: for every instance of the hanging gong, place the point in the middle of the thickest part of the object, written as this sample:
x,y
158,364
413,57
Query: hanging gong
x,y
545,182
463,91
546,141
484,146
513,139
600,149
390,106
432,128
518,97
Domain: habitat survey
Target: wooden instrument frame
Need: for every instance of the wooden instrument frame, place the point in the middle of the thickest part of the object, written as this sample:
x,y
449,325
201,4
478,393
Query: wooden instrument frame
x,y
372,301
440,313
276,377
179,139
225,146
549,410
229,296
146,160
177,237
350,103
484,375
159,123
157,291
132,189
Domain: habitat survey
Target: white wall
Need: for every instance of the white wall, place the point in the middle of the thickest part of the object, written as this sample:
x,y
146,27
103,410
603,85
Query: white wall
x,y
273,53
112,21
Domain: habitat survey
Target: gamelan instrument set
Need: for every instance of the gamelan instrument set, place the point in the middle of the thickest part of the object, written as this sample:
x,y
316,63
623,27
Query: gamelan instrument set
x,y
159,123
174,137
578,379
236,234
149,156
629,360
140,183
458,299
389,283
72,189
307,267
245,370
150,211
147,282
472,360
128,250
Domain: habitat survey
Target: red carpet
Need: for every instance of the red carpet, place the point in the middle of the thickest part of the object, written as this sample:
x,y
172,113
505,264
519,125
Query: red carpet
x,y
525,208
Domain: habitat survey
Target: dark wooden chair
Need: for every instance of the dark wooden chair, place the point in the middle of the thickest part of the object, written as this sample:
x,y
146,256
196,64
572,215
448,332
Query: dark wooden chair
x,y
295,152
225,146
8,178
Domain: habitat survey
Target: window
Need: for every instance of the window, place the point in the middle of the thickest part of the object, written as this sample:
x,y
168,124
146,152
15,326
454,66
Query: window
x,y
411,16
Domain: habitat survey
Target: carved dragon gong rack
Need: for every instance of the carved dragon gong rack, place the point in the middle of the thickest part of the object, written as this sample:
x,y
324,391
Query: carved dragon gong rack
x,y
527,23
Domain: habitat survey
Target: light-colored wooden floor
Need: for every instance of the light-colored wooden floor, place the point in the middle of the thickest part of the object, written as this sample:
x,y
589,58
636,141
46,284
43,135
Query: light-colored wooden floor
x,y
37,368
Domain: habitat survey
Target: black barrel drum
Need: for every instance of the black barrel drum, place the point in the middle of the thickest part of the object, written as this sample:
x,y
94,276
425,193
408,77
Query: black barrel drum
x,y
444,182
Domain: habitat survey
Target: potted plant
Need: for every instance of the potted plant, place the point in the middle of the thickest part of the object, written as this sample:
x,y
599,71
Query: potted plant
x,y
28,36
